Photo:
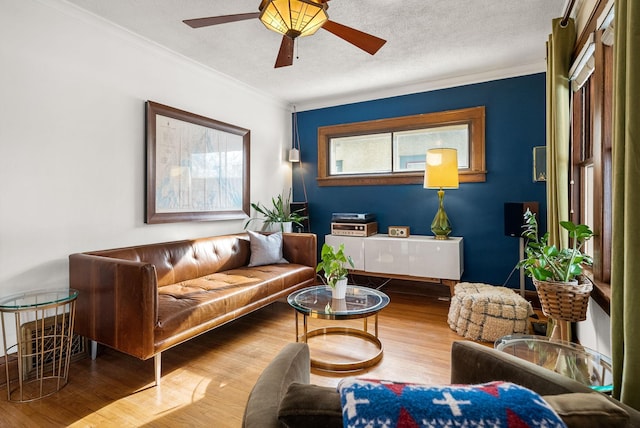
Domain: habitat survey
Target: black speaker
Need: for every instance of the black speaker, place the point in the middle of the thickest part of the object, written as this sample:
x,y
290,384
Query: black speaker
x,y
301,208
514,216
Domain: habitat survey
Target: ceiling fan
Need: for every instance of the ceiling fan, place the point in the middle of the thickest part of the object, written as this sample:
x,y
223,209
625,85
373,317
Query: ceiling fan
x,y
296,18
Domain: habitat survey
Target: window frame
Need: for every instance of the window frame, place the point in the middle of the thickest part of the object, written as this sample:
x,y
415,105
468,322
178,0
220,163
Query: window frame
x,y
592,134
474,116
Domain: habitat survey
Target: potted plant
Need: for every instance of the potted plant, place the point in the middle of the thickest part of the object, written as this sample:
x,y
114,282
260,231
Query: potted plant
x,y
557,273
279,216
335,266
545,262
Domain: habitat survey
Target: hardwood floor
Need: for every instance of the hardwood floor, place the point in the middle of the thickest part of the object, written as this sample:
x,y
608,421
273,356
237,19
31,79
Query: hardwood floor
x,y
206,381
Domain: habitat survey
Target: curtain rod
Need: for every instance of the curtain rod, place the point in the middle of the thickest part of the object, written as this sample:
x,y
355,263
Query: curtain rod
x,y
567,13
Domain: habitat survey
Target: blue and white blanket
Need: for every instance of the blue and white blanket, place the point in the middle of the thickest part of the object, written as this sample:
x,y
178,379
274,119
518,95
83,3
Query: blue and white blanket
x,y
374,403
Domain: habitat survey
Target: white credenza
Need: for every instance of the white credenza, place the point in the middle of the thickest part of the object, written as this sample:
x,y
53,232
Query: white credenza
x,y
421,258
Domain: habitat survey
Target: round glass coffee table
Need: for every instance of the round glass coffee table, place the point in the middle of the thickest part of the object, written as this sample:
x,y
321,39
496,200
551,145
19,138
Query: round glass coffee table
x,y
581,364
360,302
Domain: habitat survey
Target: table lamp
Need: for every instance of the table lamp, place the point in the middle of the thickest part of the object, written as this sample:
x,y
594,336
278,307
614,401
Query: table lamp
x,y
441,172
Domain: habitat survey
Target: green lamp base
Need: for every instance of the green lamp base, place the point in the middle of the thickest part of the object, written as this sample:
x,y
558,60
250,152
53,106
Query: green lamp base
x,y
441,226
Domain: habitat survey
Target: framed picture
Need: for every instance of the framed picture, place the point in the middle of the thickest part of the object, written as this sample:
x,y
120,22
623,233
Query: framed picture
x,y
197,168
540,163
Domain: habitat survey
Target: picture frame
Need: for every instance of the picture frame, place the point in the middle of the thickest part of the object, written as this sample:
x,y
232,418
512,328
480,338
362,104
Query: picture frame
x,y
540,163
197,168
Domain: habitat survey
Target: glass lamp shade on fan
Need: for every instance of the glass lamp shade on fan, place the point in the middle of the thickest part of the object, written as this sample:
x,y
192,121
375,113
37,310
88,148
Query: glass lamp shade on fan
x,y
441,172
293,18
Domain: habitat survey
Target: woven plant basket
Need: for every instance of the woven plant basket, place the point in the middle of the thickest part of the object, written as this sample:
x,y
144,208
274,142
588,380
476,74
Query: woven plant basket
x,y
564,301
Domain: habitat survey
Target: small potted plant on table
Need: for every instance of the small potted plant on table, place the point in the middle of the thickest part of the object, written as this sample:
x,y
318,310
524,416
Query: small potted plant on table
x,y
557,273
334,264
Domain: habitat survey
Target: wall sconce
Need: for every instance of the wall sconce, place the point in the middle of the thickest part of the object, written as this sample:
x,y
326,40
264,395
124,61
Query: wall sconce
x,y
294,157
294,152
441,172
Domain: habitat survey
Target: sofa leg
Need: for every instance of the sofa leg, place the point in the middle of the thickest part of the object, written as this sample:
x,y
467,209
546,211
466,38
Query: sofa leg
x,y
94,349
158,367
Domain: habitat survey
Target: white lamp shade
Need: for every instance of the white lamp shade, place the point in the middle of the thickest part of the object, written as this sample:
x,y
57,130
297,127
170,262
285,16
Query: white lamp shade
x,y
441,170
294,155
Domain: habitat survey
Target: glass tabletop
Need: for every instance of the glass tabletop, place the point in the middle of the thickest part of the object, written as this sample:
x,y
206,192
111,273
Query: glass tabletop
x,y
577,362
37,298
359,302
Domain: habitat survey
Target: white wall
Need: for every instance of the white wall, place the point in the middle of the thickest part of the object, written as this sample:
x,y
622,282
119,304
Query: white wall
x,y
582,12
595,331
72,174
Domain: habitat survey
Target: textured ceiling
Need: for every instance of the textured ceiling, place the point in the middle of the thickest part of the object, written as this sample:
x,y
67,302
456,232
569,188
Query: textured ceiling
x,y
428,41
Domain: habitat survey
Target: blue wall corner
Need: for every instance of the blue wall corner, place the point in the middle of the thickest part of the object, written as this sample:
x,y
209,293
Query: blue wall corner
x,y
515,123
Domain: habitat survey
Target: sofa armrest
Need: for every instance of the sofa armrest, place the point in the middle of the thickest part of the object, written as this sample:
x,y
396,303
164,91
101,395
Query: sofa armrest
x,y
291,365
473,363
300,248
117,302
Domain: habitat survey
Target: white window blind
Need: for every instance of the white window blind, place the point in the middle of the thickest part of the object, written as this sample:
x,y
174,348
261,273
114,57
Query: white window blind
x,y
583,66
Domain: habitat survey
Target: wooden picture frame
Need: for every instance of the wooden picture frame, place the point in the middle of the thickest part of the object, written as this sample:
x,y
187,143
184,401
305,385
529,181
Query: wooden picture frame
x,y
197,167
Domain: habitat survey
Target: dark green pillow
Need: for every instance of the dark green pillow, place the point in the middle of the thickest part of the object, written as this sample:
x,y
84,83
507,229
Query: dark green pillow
x,y
584,410
310,406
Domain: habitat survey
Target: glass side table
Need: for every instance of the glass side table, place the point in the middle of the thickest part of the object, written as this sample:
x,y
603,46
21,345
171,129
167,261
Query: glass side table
x,y
43,322
581,364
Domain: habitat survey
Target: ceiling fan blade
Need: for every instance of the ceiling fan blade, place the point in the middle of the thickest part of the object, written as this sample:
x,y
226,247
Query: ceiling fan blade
x,y
285,55
364,41
215,20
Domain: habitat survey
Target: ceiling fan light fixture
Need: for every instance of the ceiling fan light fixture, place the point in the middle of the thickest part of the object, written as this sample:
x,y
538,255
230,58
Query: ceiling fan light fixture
x,y
294,18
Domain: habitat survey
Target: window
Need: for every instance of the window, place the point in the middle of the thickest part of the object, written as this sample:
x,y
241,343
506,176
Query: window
x,y
592,112
393,151
587,210
360,154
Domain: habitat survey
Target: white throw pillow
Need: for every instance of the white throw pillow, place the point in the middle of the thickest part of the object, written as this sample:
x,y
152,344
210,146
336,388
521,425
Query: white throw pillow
x,y
265,249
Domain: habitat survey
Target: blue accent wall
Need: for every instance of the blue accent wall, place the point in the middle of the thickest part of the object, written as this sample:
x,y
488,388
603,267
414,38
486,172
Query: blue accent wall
x,y
515,123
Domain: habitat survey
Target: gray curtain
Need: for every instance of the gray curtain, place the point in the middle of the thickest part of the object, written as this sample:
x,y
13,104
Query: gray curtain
x,y
625,250
559,49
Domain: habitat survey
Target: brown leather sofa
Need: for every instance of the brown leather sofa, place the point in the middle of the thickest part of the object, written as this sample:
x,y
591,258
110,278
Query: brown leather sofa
x,y
142,300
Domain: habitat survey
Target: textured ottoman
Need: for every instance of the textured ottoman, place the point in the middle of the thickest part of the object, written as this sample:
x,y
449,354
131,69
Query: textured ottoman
x,y
487,312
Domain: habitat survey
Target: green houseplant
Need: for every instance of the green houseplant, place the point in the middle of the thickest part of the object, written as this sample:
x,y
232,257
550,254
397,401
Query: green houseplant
x,y
278,214
546,262
335,264
557,273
